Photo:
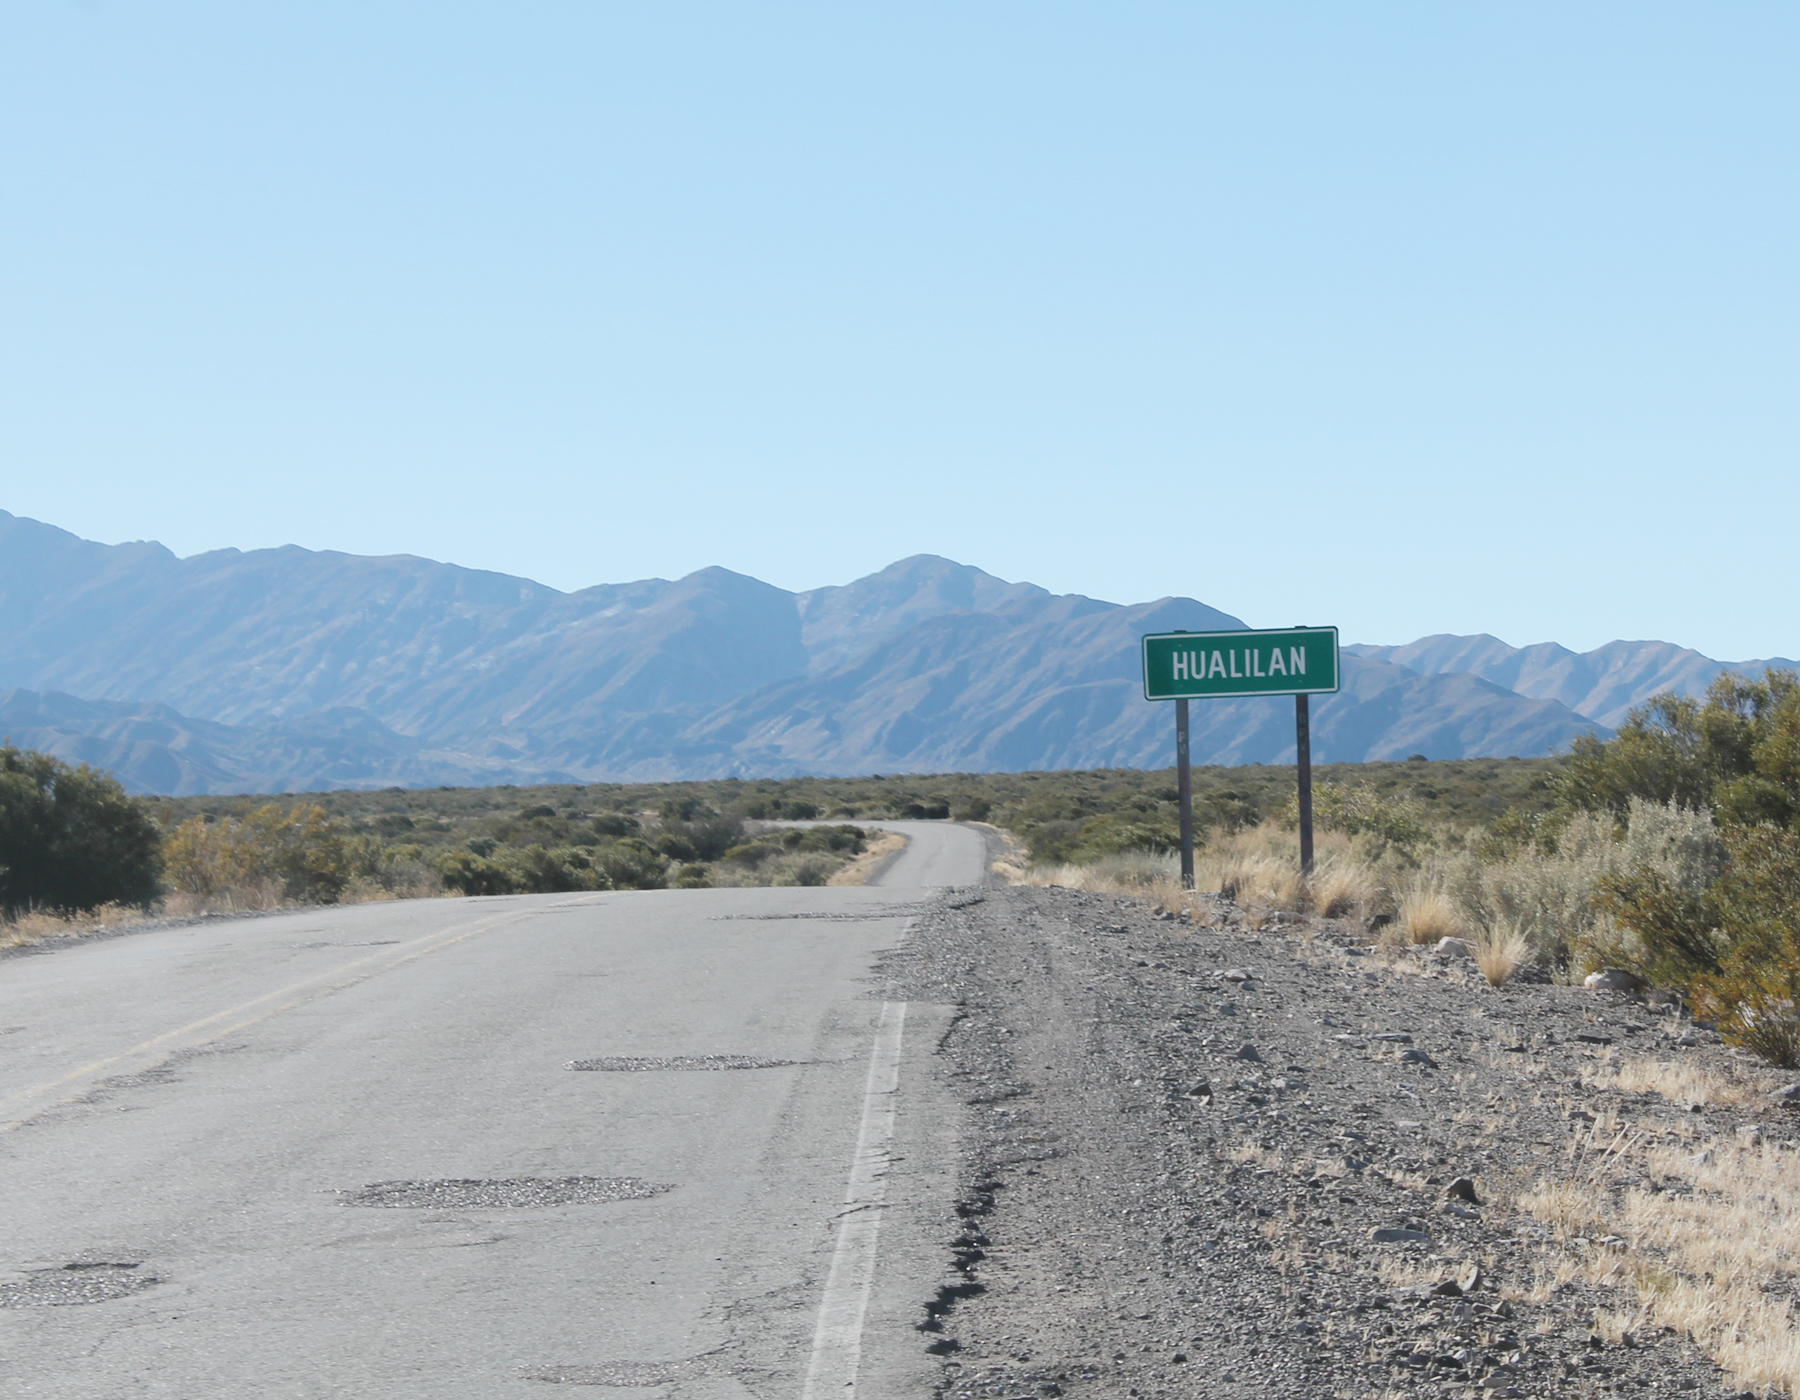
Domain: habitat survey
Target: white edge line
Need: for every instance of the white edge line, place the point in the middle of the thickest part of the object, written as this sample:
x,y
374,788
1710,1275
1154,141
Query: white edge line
x,y
837,1341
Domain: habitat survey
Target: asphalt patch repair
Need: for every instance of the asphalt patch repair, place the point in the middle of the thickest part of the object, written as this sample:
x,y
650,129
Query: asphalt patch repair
x,y
72,1285
637,1064
515,1193
1215,1160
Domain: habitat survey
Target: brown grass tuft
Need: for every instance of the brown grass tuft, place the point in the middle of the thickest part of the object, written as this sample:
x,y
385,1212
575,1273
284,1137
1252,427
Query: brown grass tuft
x,y
1501,951
39,925
1341,887
1427,913
1709,1241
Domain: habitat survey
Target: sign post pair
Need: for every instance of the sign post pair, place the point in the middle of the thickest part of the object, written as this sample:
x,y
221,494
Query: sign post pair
x,y
1296,661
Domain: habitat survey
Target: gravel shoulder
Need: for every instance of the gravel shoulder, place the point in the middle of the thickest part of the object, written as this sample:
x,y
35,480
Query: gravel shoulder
x,y
1235,1162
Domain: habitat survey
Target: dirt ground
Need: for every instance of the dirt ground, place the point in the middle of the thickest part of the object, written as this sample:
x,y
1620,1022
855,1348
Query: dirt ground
x,y
1239,1162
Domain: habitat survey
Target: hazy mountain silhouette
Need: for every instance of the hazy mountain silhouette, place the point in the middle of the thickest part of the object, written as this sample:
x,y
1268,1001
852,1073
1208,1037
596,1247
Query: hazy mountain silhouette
x,y
283,669
1602,684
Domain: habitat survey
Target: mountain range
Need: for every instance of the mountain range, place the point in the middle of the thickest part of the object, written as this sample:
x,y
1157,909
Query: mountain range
x,y
290,669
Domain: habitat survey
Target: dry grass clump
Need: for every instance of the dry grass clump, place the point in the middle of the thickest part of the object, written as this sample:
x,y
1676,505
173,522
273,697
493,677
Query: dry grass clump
x,y
1340,887
1428,913
1701,1244
1501,951
1133,872
1679,1081
1258,868
40,925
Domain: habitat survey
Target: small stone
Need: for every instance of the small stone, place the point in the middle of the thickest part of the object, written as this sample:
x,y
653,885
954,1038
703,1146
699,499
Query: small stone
x,y
1236,974
1202,1090
1449,1288
1247,1051
1468,1278
1462,1189
1415,1057
1788,1096
1393,1234
1454,948
1393,1037
1614,979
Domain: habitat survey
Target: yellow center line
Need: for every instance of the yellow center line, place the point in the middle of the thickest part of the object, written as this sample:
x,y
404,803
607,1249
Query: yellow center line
x,y
260,1008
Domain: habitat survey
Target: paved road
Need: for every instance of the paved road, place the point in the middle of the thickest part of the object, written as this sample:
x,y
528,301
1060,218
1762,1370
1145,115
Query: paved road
x,y
193,1117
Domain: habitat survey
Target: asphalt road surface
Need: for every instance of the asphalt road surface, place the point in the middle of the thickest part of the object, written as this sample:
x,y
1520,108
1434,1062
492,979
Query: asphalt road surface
x,y
343,1152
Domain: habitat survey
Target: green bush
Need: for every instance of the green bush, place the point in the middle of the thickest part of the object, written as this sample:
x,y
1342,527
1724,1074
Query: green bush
x,y
1392,818
473,874
70,837
1114,833
631,864
1756,995
552,870
1737,752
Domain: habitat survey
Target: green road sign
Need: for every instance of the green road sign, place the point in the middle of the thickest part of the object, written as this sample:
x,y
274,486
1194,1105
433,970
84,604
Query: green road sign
x,y
1285,661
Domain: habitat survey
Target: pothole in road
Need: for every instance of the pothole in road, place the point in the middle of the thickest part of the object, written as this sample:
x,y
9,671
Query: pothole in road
x,y
622,1373
513,1193
631,1063
75,1284
375,943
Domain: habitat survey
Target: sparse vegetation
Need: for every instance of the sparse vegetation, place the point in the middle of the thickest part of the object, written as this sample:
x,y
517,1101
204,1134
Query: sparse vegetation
x,y
1671,851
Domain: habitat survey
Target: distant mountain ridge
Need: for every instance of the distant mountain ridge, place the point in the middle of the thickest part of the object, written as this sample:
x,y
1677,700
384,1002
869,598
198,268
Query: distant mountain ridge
x,y
283,669
1602,684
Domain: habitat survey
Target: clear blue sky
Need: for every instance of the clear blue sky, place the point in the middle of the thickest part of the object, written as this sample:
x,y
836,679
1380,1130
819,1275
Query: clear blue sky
x,y
1409,317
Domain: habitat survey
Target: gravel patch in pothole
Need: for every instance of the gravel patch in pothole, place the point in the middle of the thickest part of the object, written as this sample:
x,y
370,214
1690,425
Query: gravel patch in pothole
x,y
620,1373
76,1284
513,1193
633,1063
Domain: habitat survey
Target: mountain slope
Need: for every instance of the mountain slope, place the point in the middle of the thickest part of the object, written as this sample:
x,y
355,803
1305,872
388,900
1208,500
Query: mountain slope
x,y
971,693
1602,684
288,668
154,749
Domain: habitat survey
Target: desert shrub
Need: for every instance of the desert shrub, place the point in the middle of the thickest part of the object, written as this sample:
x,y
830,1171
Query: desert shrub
x,y
630,864
615,824
1082,840
703,835
269,855
690,877
1754,911
381,871
473,874
1114,833
553,870
70,837
1357,809
1737,752
801,868
1560,886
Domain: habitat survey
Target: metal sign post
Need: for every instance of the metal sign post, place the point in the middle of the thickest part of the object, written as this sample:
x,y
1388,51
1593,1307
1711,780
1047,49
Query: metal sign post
x,y
1296,661
1184,792
1303,761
